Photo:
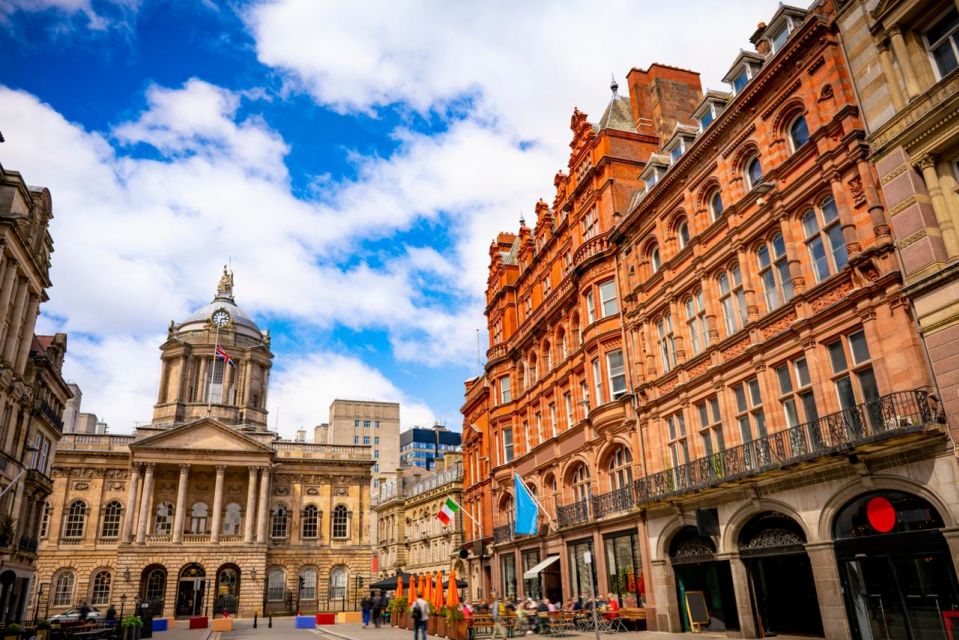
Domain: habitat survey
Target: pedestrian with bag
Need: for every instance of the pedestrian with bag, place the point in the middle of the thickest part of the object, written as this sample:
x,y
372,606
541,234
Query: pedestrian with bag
x,y
366,606
421,615
377,605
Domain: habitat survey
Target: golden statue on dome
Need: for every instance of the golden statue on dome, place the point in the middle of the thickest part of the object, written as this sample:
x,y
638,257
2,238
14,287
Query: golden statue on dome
x,y
225,287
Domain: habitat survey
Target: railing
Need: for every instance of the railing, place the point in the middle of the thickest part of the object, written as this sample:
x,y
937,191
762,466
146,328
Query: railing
x,y
496,351
50,414
503,534
888,416
160,537
575,513
196,537
28,545
94,442
590,248
323,451
615,501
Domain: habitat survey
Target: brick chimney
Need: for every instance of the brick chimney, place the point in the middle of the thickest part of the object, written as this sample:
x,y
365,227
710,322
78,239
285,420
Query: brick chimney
x,y
661,96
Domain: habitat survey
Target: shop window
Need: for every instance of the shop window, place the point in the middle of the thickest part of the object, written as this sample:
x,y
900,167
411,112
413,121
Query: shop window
x,y
624,570
531,585
508,576
582,576
827,248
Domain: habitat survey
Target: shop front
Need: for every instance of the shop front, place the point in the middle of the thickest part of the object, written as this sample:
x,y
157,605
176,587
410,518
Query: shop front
x,y
898,578
624,569
695,567
508,575
582,569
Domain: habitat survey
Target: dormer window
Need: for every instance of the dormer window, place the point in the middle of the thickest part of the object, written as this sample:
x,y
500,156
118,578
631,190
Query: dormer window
x,y
778,39
706,118
676,151
781,26
740,80
744,69
709,109
651,178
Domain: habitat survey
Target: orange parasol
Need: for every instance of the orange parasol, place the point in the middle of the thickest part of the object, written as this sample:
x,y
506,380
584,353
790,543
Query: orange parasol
x,y
452,593
399,588
438,601
411,594
427,588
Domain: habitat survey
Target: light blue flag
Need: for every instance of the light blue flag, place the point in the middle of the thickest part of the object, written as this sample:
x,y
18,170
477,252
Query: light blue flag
x,y
526,510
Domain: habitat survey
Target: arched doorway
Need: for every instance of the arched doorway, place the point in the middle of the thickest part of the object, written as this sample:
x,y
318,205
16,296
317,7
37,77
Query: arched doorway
x,y
894,564
153,587
190,590
695,567
772,546
227,589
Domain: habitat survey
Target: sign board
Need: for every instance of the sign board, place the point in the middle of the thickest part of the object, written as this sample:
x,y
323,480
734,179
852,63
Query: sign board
x,y
697,610
588,558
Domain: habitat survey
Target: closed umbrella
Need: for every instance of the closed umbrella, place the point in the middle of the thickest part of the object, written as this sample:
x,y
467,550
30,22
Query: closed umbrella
x,y
399,588
452,593
428,588
411,595
438,601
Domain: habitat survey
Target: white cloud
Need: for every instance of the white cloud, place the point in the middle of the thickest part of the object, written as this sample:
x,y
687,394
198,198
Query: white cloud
x,y
68,10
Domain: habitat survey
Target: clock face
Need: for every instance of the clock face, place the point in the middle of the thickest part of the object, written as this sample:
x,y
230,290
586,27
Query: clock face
x,y
220,318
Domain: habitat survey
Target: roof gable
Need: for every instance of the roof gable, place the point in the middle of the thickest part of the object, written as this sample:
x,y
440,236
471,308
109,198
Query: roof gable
x,y
205,434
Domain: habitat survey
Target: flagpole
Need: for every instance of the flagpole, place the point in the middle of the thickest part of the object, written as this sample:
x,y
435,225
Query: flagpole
x,y
465,512
533,497
209,388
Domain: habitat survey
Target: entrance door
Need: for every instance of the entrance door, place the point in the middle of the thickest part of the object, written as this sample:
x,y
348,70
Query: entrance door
x,y
715,580
190,591
785,605
552,582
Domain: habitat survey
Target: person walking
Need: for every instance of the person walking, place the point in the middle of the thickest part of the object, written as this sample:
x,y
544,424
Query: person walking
x,y
377,605
421,615
366,606
498,612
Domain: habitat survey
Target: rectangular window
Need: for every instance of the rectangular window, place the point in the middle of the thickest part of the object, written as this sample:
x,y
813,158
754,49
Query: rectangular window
x,y
508,566
552,418
617,373
752,422
696,322
366,439
667,342
597,382
568,401
607,298
584,395
678,445
376,440
706,118
356,439
941,40
504,390
376,453
732,297
377,424
856,385
779,38
539,427
507,444
356,423
711,426
590,224
366,424
740,80
590,308
526,436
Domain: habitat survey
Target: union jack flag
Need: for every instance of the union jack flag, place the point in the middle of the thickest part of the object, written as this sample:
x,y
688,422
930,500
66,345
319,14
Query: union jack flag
x,y
224,356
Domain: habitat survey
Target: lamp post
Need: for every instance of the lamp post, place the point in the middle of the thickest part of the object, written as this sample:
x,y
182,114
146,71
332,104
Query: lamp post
x,y
588,559
123,602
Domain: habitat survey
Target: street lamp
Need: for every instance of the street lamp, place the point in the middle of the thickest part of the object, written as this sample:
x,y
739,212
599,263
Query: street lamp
x,y
123,602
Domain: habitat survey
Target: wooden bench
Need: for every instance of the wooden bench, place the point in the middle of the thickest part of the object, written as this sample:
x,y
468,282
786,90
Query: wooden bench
x,y
633,615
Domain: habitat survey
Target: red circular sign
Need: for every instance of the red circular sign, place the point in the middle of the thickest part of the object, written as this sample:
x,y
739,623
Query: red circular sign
x,y
881,514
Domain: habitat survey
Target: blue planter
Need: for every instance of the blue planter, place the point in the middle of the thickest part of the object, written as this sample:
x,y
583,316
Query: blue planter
x,y
160,624
305,622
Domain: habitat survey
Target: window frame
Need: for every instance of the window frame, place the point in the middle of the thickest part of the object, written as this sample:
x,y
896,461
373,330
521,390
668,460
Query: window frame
x,y
75,524
780,290
112,517
795,144
694,308
732,301
951,36
613,377
604,302
826,234
753,181
666,338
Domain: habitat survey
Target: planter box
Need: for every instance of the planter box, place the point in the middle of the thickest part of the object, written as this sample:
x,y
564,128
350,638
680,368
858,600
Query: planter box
x,y
326,618
306,622
440,625
160,624
223,624
431,626
349,616
199,622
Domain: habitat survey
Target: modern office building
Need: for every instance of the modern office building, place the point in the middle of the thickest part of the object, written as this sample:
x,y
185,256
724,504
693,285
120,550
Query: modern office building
x,y
425,448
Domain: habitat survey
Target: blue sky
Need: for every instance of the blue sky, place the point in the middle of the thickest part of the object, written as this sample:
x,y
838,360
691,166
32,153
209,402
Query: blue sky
x,y
353,160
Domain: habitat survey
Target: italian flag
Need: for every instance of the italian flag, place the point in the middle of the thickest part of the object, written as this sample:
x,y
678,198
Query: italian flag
x,y
448,511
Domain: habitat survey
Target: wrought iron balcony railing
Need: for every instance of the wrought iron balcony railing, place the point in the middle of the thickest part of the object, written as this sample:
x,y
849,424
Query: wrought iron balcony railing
x,y
894,414
503,534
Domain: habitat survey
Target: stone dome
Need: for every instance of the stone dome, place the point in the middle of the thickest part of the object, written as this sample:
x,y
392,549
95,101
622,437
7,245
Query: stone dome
x,y
242,323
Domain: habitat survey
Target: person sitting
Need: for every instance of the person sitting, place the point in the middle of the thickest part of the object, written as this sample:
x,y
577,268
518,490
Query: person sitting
x,y
613,604
577,604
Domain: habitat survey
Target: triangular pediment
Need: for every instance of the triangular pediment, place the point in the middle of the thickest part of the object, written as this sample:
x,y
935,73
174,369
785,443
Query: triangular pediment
x,y
205,434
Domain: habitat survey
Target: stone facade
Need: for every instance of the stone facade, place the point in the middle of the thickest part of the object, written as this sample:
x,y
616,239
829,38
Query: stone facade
x,y
32,391
411,538
904,56
366,422
204,510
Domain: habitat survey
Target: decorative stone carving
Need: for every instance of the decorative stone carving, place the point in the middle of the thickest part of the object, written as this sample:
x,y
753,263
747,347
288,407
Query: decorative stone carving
x,y
312,491
81,486
857,191
341,491
281,491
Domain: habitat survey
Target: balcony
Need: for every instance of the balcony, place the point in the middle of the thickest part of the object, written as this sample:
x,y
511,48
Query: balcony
x,y
503,534
39,479
895,414
28,545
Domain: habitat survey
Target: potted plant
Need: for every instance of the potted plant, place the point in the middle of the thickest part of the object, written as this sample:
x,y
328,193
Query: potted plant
x,y
13,631
131,627
43,629
399,610
456,624
440,621
431,621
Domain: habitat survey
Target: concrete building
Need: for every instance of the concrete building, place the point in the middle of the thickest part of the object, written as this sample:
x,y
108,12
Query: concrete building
x,y
426,448
728,385
411,538
904,57
368,423
33,393
204,509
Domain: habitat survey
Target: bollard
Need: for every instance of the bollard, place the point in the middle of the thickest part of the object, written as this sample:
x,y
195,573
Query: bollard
x,y
271,622
254,619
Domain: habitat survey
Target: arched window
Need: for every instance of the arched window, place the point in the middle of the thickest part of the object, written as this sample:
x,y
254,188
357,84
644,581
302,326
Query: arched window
x,y
63,588
581,480
311,521
154,585
732,297
754,172
76,520
164,519
341,522
621,469
278,521
276,584
822,230
774,272
198,517
547,358
667,342
798,132
561,341
100,588
654,262
231,519
45,519
715,204
696,322
308,583
532,369
338,582
506,508
110,525
682,233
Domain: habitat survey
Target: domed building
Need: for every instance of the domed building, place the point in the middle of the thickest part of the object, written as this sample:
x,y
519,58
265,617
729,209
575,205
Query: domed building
x,y
205,510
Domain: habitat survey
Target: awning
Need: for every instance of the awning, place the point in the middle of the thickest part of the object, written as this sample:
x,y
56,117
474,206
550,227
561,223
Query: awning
x,y
532,573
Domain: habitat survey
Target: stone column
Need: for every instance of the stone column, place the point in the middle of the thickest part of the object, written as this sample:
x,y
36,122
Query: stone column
x,y
130,515
825,572
905,64
180,513
16,321
793,249
888,71
145,504
749,284
950,189
950,239
26,333
744,606
877,212
6,293
217,503
250,507
263,508
849,233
